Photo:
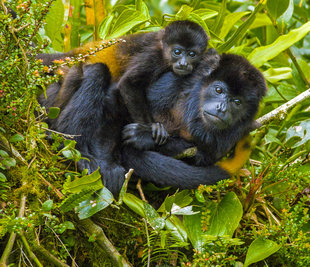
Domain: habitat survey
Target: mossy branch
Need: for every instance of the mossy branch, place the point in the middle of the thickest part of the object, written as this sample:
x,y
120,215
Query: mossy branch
x,y
91,228
10,243
281,112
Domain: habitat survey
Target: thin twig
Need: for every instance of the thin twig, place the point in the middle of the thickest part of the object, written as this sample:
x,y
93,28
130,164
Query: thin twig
x,y
139,187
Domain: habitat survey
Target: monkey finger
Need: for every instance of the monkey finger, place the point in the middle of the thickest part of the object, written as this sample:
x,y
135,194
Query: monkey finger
x,y
163,135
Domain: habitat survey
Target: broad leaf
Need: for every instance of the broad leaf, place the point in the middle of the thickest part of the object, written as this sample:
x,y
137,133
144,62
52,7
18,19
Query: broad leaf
x,y
274,75
260,249
153,217
301,131
100,200
192,224
91,181
226,217
176,227
277,7
262,54
53,112
47,205
134,203
230,21
54,24
16,138
126,21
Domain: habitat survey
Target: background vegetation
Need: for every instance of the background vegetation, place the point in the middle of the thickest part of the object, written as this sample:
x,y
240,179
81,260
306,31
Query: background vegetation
x,y
260,217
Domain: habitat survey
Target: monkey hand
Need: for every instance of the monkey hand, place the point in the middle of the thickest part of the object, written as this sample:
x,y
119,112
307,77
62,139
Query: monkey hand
x,y
139,136
159,133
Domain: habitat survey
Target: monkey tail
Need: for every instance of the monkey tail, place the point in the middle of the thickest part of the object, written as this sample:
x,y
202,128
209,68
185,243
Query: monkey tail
x,y
167,171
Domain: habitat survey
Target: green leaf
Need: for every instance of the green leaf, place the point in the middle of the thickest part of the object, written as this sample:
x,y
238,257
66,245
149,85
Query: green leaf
x,y
9,162
218,23
261,20
134,203
53,112
274,75
241,31
176,228
97,202
47,205
16,138
126,21
205,13
181,199
260,249
54,24
177,210
262,54
75,21
302,131
2,177
226,217
3,154
230,21
277,7
91,181
153,217
194,231
75,199
105,27
67,225
183,12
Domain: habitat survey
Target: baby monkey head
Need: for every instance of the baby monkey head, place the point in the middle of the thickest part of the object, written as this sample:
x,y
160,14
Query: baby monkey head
x,y
184,43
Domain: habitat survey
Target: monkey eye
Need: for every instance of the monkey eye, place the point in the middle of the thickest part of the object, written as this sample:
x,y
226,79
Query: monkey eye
x,y
237,101
177,51
192,54
218,89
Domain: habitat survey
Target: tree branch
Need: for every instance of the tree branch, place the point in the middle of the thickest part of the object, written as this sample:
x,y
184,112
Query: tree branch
x,y
91,228
281,112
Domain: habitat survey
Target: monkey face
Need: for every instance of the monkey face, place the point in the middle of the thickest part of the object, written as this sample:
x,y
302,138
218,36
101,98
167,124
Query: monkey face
x,y
183,60
219,108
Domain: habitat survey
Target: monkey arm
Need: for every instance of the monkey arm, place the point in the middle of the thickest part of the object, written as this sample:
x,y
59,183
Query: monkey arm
x,y
140,136
142,69
167,171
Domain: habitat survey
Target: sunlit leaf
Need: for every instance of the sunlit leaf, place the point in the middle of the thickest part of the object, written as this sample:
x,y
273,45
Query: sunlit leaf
x,y
260,249
126,21
301,131
92,181
134,203
262,54
277,7
97,202
230,21
274,75
54,24
174,224
226,217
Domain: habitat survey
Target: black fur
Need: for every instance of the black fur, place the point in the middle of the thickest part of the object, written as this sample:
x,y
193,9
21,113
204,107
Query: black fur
x,y
214,137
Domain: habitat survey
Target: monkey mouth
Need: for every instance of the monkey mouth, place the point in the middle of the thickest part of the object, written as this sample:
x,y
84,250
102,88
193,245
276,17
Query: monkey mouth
x,y
182,72
215,119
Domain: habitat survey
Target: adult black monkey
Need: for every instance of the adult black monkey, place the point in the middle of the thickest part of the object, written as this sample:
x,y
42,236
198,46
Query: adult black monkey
x,y
214,112
101,142
139,61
